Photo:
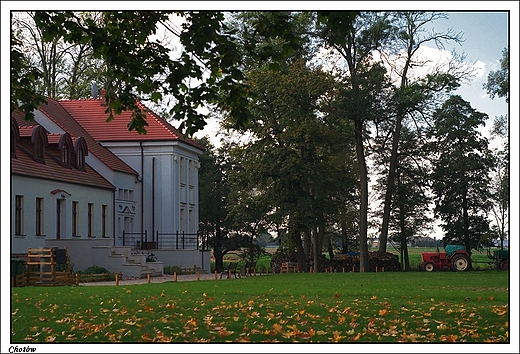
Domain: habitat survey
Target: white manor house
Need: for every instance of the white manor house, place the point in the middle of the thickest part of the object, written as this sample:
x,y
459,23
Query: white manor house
x,y
108,195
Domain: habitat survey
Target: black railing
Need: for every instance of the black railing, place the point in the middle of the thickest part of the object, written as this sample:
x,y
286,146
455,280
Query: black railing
x,y
180,241
136,240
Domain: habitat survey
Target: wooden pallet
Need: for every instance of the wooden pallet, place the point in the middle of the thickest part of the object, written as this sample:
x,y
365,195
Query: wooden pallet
x,y
42,267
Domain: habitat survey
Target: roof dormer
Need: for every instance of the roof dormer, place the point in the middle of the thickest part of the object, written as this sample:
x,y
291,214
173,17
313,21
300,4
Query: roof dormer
x,y
65,148
39,142
80,153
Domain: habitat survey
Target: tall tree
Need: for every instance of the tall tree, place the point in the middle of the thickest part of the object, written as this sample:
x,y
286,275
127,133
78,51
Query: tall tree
x,y
214,200
354,37
412,94
68,70
461,172
497,85
409,218
294,161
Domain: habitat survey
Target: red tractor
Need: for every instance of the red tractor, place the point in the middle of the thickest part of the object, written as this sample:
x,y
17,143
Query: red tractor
x,y
455,258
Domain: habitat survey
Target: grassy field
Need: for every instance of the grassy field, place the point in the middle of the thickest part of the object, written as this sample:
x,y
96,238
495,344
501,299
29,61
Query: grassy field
x,y
320,308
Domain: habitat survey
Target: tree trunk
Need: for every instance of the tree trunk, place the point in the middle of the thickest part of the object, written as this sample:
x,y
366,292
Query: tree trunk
x,y
383,238
344,235
316,256
300,254
363,208
217,251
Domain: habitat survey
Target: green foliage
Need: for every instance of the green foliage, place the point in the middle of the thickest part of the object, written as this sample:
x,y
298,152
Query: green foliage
x,y
461,173
151,257
94,270
498,80
138,66
24,77
172,269
470,307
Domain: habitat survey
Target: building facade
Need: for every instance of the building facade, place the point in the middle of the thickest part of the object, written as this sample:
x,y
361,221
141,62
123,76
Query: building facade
x,y
141,190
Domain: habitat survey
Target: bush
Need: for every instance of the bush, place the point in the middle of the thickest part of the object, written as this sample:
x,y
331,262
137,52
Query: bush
x,y
94,270
172,269
151,257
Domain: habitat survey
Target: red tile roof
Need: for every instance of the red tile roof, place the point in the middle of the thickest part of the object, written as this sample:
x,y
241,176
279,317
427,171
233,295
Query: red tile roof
x,y
91,115
24,165
56,112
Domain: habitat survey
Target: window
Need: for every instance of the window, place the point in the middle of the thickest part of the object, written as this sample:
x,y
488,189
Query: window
x,y
65,147
75,207
80,159
18,223
39,140
39,216
183,170
104,213
190,172
38,151
90,219
80,151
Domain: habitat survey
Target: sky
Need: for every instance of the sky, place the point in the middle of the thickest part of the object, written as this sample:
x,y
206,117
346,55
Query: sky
x,y
487,31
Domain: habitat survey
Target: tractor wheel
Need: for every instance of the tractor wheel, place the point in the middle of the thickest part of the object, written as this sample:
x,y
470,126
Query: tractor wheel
x,y
504,265
460,263
429,266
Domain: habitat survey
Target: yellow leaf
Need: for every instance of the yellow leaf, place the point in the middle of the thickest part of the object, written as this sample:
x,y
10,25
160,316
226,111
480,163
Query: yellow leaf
x,y
337,337
374,297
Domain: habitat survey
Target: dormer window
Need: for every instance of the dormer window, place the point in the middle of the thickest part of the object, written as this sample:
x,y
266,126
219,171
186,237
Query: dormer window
x,y
80,152
65,146
39,141
65,155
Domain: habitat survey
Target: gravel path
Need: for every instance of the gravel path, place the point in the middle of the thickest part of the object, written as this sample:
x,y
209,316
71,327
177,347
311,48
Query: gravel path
x,y
160,279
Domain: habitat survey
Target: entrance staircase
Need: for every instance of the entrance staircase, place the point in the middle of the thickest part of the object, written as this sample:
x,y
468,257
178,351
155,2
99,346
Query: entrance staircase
x,y
124,260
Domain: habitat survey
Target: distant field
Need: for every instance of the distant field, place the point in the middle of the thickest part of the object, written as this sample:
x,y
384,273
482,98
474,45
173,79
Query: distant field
x,y
480,260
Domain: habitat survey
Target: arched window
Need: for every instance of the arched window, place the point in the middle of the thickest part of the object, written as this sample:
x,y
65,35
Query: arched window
x,y
39,141
80,152
65,146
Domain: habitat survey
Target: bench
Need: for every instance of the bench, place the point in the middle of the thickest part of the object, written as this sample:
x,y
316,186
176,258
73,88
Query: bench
x,y
232,268
289,267
193,270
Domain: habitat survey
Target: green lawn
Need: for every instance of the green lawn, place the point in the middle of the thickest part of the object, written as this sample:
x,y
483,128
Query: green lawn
x,y
326,307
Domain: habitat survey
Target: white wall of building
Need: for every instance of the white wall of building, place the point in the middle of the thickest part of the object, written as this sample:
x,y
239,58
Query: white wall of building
x,y
169,173
32,188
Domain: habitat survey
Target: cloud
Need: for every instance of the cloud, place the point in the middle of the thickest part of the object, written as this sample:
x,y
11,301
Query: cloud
x,y
428,60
